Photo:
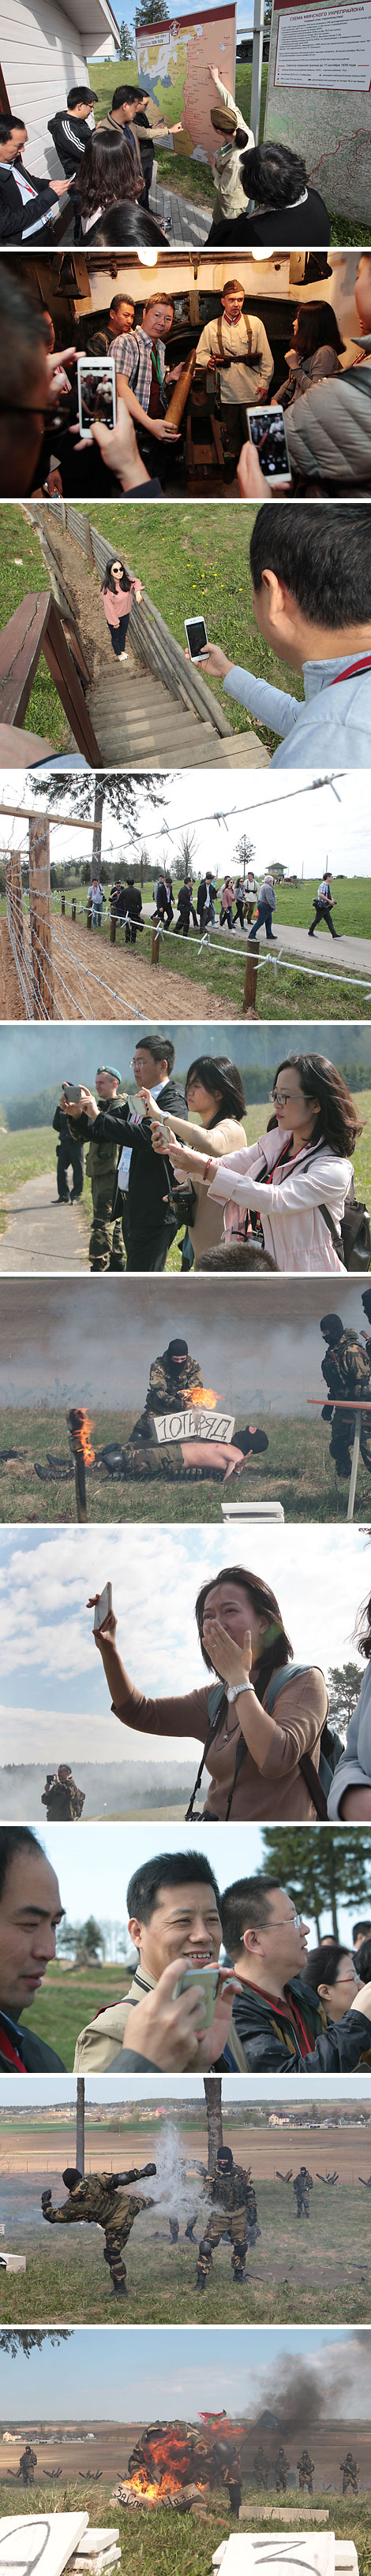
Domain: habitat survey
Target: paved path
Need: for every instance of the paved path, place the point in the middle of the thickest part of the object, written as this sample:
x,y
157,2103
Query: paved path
x,y
344,956
187,226
41,1233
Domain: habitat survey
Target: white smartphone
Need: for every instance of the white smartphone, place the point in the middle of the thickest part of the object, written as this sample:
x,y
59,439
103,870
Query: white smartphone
x,y
208,1978
103,1606
96,387
197,639
266,429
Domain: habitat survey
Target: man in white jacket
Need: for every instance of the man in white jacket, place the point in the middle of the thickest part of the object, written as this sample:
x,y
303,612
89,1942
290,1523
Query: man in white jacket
x,y
311,572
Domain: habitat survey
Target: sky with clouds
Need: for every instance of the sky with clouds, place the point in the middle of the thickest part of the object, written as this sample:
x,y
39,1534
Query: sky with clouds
x,y
52,1680
172,2370
323,825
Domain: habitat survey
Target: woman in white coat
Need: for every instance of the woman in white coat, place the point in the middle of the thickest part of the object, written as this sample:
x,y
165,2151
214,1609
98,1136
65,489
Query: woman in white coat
x,y
297,1177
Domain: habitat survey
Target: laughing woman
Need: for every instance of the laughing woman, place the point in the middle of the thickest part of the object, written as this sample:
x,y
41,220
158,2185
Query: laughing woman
x,y
297,1177
259,1725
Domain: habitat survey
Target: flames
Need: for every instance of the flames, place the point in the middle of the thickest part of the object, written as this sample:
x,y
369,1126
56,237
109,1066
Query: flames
x,y
80,1426
204,1396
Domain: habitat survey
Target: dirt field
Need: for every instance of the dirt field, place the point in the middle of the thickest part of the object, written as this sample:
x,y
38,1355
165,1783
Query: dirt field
x,y
90,980
28,2150
328,2444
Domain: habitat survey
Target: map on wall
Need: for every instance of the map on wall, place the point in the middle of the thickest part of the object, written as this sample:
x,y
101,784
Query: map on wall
x,y
173,64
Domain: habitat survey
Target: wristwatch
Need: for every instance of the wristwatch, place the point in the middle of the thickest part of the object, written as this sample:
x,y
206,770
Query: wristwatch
x,y
234,1690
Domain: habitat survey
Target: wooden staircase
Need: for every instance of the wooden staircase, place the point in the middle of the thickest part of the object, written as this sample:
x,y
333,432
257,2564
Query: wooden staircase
x,y
139,726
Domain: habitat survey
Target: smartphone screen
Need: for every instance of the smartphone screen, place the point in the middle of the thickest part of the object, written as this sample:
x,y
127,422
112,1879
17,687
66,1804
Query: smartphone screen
x,y
196,636
96,379
267,433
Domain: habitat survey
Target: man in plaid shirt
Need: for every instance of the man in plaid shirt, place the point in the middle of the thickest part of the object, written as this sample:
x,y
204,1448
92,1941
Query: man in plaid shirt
x,y
141,370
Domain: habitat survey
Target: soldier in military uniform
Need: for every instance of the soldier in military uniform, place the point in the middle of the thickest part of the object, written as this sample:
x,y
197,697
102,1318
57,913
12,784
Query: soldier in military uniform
x,y
350,2473
172,1378
61,1797
306,2471
281,2471
102,2201
106,1243
235,2215
27,2465
346,1370
261,2469
302,2185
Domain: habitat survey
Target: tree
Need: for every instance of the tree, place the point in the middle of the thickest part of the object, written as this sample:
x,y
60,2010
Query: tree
x,y
345,1684
30,2339
114,794
213,2099
245,853
127,43
322,1870
84,1940
185,860
148,11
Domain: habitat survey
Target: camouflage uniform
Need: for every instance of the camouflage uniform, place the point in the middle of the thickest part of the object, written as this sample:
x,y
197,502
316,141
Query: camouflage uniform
x,y
235,2215
102,2201
106,1240
261,2469
350,2473
165,1393
281,2471
346,1370
302,2185
63,1800
27,2465
306,2470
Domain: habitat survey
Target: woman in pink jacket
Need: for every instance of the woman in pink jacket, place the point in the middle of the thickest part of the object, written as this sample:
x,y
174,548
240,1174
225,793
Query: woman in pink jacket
x,y
118,590
297,1176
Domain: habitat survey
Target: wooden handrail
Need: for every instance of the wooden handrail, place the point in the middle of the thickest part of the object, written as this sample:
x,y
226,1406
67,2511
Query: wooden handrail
x,y
147,624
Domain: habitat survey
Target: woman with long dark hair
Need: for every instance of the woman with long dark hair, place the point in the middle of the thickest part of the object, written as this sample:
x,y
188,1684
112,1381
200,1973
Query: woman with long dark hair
x,y
118,589
314,353
215,1099
108,174
297,1176
350,1794
259,1725
331,1974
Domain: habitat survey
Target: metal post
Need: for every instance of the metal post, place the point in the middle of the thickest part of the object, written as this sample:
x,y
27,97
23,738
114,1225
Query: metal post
x,y
41,919
249,987
73,908
113,929
155,947
63,903
257,67
355,1466
80,2124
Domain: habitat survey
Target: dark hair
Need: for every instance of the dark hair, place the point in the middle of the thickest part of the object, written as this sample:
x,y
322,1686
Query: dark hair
x,y
82,97
237,1256
107,171
245,1906
159,1047
173,1869
362,1638
116,300
127,225
322,556
337,1119
273,1655
8,123
317,329
365,1928
273,175
14,1838
364,1961
322,1964
23,327
127,90
218,1073
108,581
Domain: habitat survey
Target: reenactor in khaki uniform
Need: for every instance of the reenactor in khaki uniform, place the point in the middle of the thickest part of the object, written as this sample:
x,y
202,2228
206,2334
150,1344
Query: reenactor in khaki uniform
x,y
102,2201
235,2215
281,2471
350,2473
302,2185
306,2471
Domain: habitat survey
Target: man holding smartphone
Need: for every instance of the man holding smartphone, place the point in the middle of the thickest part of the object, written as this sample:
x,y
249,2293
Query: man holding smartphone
x,y
234,348
105,1246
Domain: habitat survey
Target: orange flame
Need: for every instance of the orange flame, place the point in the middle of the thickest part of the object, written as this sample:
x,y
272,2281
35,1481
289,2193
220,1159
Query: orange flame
x,y
204,1396
80,1426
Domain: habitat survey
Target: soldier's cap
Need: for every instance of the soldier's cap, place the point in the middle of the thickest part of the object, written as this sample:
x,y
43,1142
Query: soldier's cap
x,y
223,119
332,1323
109,1068
71,2174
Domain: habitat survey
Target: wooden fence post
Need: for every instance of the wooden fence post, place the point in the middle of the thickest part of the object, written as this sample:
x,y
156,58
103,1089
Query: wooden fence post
x,y
41,919
249,987
63,903
113,929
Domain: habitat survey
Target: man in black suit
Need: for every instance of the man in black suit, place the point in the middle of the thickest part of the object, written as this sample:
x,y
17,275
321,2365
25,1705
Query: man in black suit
x,y
26,203
144,1179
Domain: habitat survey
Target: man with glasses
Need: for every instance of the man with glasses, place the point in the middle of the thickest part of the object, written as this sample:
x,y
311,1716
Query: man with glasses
x,y
279,2025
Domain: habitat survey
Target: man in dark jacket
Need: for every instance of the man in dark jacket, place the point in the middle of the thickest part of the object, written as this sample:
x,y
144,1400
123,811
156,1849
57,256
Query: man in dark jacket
x,y
185,908
26,203
70,128
130,908
346,1370
70,1156
206,900
146,1180
102,2201
279,2025
235,2215
30,1910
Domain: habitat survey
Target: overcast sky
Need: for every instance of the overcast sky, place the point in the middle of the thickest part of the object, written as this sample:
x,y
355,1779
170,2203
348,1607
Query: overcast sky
x,y
92,1343
322,825
171,2370
54,1697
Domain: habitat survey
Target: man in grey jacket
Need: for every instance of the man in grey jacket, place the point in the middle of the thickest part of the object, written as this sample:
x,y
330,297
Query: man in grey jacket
x,y
311,573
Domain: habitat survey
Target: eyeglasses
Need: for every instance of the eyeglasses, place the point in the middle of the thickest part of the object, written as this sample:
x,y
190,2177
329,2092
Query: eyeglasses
x,y
293,1923
280,1098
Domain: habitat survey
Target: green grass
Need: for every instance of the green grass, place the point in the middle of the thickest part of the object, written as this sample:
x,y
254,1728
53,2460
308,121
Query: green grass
x,y
66,2276
296,1470
165,2544
69,1998
189,558
22,569
287,995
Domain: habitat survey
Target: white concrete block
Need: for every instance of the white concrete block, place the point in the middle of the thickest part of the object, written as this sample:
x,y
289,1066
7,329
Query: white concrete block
x,y
47,2538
